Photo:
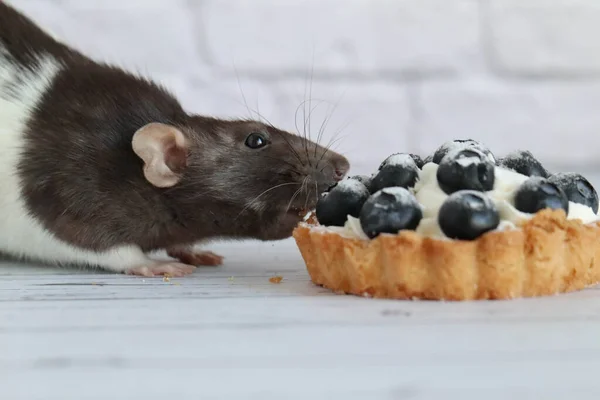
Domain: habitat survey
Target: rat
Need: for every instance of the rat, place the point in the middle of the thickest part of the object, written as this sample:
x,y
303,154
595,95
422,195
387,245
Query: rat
x,y
100,167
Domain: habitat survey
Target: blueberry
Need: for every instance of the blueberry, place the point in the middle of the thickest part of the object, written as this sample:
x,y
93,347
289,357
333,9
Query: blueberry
x,y
466,169
523,162
397,170
400,158
418,160
364,179
346,198
330,188
538,193
390,210
577,188
461,144
467,214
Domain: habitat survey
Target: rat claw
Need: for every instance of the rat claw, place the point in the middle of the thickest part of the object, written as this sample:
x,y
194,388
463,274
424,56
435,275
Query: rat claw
x,y
172,269
189,256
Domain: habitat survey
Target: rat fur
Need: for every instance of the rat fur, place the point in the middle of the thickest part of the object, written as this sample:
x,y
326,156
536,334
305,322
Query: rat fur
x,y
99,167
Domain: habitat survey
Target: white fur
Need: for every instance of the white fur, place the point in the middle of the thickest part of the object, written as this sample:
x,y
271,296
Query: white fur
x,y
21,235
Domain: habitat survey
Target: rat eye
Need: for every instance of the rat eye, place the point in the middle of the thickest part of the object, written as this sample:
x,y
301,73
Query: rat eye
x,y
256,140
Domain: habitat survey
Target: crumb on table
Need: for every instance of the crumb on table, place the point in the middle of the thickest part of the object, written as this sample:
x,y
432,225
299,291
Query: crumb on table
x,y
276,279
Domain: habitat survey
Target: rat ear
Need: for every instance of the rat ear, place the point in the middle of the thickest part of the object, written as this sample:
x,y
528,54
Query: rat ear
x,y
163,149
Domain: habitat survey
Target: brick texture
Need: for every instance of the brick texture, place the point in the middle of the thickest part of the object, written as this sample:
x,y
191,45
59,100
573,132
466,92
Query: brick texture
x,y
556,121
347,36
408,74
545,38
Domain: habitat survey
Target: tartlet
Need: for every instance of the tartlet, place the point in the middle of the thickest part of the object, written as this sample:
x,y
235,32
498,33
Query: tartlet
x,y
543,254
547,255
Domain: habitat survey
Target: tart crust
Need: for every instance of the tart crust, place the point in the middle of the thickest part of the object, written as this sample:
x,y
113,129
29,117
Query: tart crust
x,y
547,255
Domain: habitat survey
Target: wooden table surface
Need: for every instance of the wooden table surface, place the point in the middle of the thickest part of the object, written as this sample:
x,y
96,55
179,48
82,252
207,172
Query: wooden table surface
x,y
228,333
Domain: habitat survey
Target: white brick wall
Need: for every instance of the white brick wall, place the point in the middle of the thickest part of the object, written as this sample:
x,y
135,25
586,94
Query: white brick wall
x,y
408,74
362,37
545,37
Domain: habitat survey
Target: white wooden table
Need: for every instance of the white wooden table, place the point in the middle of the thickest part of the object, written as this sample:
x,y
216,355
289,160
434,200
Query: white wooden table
x,y
228,333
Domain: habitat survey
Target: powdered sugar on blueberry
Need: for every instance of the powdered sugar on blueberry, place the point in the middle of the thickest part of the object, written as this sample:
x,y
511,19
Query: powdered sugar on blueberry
x,y
466,161
397,170
523,162
458,145
467,214
401,195
343,200
351,185
390,210
399,159
577,188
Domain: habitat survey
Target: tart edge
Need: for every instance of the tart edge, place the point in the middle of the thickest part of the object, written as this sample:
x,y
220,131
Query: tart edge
x,y
547,255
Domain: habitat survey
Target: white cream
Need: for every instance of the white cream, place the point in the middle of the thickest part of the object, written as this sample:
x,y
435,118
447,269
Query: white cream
x,y
431,197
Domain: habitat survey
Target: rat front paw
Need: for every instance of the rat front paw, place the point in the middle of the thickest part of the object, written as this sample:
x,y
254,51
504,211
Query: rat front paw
x,y
189,256
166,268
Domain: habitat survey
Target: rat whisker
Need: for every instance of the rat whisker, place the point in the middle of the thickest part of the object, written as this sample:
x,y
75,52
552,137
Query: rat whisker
x,y
321,130
251,202
307,196
257,107
237,76
307,190
325,123
337,145
335,135
296,193
292,165
303,103
311,110
291,148
307,133
327,119
296,117
337,140
308,119
332,141
312,70
268,122
318,100
303,136
304,111
339,130
260,116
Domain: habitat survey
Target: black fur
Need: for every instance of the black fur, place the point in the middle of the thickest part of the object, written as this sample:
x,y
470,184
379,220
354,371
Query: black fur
x,y
83,181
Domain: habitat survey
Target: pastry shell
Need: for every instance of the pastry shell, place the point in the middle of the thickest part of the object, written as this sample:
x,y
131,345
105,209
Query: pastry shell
x,y
545,255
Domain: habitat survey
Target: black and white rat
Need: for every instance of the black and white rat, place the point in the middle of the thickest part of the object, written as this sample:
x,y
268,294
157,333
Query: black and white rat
x,y
100,167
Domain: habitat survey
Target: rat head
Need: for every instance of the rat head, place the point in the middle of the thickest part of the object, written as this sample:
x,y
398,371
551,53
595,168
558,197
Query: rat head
x,y
254,179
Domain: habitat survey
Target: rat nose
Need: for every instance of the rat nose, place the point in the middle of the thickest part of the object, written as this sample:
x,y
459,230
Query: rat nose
x,y
340,167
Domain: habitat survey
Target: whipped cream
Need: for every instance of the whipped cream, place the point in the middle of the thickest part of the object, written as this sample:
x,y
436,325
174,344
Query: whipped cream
x,y
431,197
